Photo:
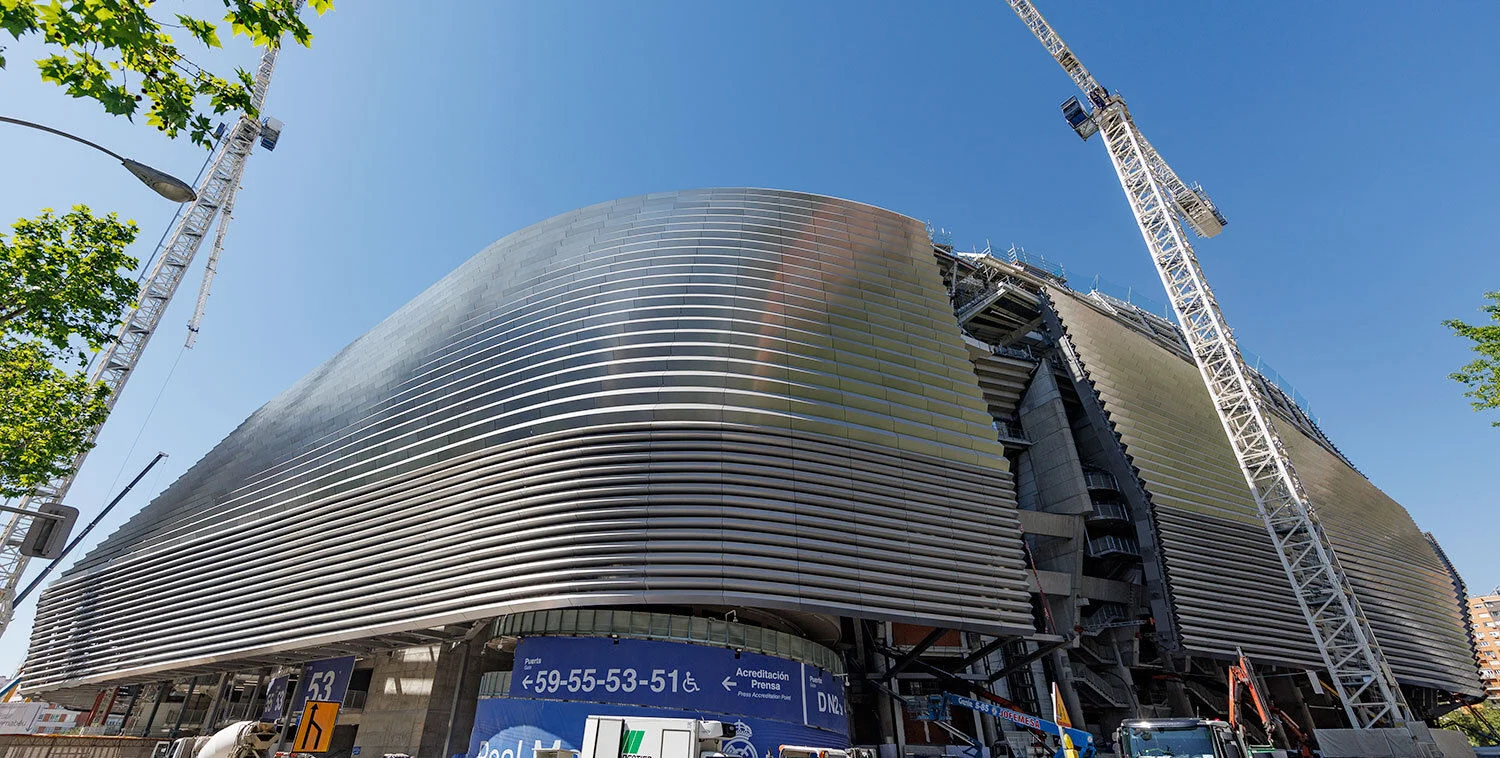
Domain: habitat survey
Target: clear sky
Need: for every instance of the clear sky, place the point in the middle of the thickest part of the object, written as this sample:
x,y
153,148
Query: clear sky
x,y
1350,145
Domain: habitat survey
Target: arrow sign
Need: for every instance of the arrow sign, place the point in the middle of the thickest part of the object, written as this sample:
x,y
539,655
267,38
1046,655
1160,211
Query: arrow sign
x,y
526,682
315,733
728,683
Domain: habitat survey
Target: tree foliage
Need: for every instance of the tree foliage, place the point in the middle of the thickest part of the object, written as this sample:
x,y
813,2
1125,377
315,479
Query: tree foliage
x,y
1481,724
61,290
46,414
115,52
63,283
60,277
1482,375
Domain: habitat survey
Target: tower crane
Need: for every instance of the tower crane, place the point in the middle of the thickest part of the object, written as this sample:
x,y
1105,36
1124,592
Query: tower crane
x,y
113,367
1162,203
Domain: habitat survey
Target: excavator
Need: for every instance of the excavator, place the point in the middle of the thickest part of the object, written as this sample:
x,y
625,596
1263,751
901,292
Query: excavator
x,y
1273,721
1212,738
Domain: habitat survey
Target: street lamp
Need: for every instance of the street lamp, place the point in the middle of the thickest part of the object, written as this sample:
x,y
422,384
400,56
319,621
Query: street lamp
x,y
164,184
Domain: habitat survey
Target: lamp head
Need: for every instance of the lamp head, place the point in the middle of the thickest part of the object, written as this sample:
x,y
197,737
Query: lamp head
x,y
166,185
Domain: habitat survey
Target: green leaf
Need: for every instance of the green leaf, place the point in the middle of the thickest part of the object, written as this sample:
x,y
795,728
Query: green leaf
x,y
204,31
61,277
1482,376
114,52
46,416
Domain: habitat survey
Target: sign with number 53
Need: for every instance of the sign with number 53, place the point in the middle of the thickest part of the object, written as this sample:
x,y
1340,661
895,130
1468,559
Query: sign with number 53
x,y
324,681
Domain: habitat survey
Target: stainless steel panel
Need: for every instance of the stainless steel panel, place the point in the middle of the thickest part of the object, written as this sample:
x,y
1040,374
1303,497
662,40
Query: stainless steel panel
x,y
736,397
1227,585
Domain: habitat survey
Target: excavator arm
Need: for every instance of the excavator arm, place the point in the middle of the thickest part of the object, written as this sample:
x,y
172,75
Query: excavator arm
x,y
1242,679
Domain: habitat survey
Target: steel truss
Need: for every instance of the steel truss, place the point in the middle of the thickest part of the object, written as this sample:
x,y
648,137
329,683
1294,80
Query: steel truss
x,y
114,365
1359,670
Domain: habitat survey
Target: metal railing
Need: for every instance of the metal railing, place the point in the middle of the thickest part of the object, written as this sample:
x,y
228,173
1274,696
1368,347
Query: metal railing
x,y
1100,480
1279,382
1022,352
1105,613
1010,430
1019,257
1110,690
1132,296
1107,511
1111,545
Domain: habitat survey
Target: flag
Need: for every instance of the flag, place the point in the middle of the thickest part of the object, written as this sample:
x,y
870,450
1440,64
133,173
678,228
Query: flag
x,y
1060,717
1059,709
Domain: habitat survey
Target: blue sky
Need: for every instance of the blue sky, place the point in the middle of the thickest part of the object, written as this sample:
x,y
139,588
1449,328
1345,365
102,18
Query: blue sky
x,y
1348,144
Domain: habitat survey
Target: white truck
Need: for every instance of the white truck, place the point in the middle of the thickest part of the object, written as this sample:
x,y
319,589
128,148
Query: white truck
x,y
633,737
242,739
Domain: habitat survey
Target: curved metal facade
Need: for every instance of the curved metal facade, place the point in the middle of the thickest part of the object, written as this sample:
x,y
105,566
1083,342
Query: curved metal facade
x,y
730,397
1227,586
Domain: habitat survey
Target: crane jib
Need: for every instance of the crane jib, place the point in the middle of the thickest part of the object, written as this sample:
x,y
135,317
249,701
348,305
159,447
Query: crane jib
x,y
117,362
1161,202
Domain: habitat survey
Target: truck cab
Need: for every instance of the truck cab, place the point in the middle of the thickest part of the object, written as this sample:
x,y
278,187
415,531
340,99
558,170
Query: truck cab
x,y
1183,738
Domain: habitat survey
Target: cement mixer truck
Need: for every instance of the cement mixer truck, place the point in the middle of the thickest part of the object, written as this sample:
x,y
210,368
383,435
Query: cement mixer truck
x,y
242,739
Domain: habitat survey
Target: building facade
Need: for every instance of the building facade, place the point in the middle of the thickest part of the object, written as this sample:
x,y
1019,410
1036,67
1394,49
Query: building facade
x,y
1484,620
820,464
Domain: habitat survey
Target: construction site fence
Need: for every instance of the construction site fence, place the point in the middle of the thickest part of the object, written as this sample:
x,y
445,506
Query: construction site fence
x,y
76,746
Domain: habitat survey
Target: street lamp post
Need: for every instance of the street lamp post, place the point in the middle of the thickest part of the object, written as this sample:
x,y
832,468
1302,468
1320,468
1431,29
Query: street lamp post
x,y
164,184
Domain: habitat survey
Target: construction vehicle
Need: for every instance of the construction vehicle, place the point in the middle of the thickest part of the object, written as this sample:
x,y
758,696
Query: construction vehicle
x,y
1184,738
803,751
1212,737
1273,721
242,739
1082,743
1162,203
632,737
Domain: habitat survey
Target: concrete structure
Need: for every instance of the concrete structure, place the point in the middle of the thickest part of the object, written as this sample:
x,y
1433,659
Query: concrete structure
x,y
1484,621
747,423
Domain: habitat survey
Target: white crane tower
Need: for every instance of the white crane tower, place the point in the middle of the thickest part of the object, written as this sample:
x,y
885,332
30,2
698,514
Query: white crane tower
x,y
1161,203
114,365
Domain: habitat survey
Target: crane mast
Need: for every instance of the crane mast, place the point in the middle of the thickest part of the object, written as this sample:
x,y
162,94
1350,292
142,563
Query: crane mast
x,y
113,367
1161,203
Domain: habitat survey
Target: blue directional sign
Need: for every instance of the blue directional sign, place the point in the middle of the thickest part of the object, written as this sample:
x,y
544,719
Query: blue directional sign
x,y
325,681
275,699
672,674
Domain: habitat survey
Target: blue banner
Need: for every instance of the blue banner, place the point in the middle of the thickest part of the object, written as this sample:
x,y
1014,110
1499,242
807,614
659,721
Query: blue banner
x,y
514,728
679,675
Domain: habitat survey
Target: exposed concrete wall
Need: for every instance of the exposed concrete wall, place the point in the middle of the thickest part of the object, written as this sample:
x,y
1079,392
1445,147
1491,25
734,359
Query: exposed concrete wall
x,y
395,712
1053,454
455,671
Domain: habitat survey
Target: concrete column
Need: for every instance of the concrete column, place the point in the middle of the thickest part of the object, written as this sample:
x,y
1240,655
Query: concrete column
x,y
1065,687
455,696
213,706
162,688
1053,454
395,713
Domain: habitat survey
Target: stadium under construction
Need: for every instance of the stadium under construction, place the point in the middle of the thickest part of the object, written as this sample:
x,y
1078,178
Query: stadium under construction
x,y
763,456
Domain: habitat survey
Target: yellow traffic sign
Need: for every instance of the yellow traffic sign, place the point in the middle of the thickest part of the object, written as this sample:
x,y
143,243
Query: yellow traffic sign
x,y
315,732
